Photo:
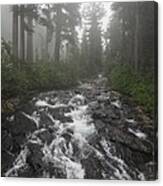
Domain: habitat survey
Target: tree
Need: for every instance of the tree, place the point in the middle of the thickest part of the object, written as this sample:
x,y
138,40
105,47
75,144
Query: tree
x,y
93,14
131,35
66,17
84,57
31,14
46,19
15,10
22,33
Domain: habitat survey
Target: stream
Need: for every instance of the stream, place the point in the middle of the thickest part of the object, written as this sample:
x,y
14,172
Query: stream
x,y
88,132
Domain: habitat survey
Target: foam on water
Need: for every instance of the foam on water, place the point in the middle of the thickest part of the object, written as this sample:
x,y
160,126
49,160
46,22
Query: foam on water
x,y
119,171
116,103
67,154
130,121
42,103
138,133
81,121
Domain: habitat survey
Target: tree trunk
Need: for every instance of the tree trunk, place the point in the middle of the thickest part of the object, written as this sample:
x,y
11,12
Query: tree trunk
x,y
47,43
58,35
15,31
30,40
136,39
22,34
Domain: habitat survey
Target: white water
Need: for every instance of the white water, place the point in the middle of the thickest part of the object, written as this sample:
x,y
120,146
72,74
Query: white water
x,y
116,103
61,153
41,103
54,152
138,133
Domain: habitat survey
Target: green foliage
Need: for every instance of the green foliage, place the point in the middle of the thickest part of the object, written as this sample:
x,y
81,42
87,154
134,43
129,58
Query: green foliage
x,y
38,76
141,89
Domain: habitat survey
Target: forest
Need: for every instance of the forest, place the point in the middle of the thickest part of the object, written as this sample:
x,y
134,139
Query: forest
x,y
111,47
124,52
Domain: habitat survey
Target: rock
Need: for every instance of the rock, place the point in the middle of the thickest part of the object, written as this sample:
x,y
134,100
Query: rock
x,y
77,91
110,112
28,108
7,141
18,140
23,124
133,158
93,167
46,136
67,136
98,114
45,120
118,135
58,114
6,161
99,124
54,171
35,155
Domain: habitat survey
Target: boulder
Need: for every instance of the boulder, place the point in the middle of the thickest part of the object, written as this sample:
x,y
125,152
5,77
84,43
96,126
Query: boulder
x,y
23,124
46,136
35,155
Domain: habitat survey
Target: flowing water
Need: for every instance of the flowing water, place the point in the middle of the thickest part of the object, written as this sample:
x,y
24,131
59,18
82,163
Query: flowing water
x,y
71,149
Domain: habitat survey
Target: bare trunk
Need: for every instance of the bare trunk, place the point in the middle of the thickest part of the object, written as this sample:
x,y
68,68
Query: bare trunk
x,y
22,34
15,31
30,40
136,39
47,43
58,35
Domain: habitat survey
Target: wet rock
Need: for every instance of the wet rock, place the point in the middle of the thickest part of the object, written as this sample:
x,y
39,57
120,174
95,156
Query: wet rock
x,y
59,114
67,136
7,141
99,124
118,135
99,114
28,108
18,140
93,139
23,124
29,172
77,91
6,161
93,167
54,172
46,136
45,120
35,155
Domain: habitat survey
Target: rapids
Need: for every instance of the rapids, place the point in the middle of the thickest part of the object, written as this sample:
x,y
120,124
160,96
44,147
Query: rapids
x,y
84,133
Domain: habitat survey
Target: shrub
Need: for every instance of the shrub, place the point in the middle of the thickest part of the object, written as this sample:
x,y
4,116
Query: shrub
x,y
20,77
141,89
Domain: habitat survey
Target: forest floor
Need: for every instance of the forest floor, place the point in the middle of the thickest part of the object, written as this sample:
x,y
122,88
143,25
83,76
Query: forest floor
x,y
87,132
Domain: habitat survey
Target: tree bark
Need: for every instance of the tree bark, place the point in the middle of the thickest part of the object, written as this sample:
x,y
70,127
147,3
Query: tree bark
x,y
58,35
136,39
47,43
30,40
15,31
22,34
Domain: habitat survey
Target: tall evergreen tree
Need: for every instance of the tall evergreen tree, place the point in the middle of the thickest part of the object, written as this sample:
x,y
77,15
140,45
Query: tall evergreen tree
x,y
66,17
22,33
93,14
31,14
131,35
15,10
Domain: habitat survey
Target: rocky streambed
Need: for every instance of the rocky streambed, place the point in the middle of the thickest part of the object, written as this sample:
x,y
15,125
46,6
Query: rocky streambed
x,y
88,132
